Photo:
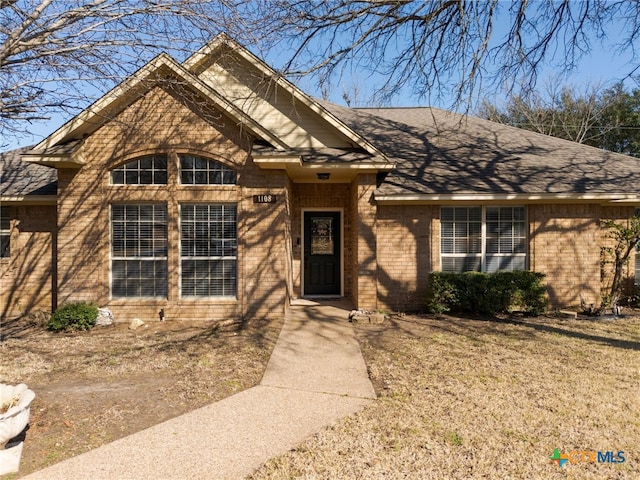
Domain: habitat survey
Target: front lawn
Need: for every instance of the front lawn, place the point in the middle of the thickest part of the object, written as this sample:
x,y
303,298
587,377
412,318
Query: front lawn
x,y
463,398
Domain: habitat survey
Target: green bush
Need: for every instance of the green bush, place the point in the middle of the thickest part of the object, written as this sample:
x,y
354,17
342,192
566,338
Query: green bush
x,y
74,316
442,293
486,293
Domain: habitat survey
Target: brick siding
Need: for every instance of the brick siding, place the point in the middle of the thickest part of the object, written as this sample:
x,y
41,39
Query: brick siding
x,y
26,277
161,122
404,243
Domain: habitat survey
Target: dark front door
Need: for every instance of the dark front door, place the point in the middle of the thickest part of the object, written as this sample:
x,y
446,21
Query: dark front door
x,y
322,253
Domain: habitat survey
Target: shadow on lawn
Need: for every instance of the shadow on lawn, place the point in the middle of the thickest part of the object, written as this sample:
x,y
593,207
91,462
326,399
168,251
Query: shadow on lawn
x,y
614,342
478,327
21,327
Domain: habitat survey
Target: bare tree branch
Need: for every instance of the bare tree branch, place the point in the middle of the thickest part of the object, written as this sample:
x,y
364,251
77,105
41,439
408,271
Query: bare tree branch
x,y
603,118
446,48
53,54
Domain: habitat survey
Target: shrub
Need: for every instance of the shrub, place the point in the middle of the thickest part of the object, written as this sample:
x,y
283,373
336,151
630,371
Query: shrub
x,y
442,293
74,316
634,298
486,293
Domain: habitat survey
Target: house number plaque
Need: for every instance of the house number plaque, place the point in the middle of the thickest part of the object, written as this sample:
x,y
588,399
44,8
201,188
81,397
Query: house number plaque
x,y
268,198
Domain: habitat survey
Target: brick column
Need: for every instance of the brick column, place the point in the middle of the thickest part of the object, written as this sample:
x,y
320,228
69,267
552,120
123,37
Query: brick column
x,y
364,264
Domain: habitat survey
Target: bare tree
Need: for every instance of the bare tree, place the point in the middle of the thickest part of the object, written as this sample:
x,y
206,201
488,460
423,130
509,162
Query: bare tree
x,y
447,47
604,118
558,110
56,55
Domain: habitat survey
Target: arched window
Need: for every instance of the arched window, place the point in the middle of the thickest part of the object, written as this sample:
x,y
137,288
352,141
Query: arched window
x,y
151,170
202,171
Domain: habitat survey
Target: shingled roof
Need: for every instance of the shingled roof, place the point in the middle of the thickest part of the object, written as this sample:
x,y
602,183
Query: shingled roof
x,y
438,152
22,179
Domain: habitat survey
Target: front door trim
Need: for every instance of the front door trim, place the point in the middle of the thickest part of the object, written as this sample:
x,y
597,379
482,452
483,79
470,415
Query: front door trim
x,y
302,253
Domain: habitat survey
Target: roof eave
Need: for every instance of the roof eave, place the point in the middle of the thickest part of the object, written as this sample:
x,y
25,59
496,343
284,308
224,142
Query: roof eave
x,y
73,160
442,199
29,199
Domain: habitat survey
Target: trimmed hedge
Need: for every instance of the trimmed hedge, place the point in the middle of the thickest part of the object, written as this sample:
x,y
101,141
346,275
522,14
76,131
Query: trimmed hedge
x,y
486,293
74,316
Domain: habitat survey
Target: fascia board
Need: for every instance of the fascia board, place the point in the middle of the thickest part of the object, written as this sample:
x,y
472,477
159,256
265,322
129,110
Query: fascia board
x,y
29,199
605,198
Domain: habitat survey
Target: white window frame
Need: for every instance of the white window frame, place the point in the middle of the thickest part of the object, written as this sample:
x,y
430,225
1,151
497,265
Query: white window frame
x,y
133,165
483,254
211,167
224,257
140,257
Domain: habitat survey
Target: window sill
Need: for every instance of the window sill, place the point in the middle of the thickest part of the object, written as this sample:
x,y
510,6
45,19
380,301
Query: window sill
x,y
216,300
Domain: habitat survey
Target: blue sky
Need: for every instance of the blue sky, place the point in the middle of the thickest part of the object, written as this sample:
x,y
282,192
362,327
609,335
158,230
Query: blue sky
x,y
601,67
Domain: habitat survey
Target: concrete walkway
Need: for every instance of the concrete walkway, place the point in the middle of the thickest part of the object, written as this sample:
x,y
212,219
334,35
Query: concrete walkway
x,y
315,377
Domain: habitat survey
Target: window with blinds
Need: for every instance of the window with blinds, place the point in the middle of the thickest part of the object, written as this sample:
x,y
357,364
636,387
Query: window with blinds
x,y
202,171
5,233
483,239
150,170
139,250
209,250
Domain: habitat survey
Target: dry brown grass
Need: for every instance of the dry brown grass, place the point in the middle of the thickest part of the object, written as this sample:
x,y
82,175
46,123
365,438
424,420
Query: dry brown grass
x,y
94,387
485,399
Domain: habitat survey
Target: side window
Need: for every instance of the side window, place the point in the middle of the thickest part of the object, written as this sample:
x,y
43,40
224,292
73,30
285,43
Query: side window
x,y
151,170
483,239
461,239
203,171
5,233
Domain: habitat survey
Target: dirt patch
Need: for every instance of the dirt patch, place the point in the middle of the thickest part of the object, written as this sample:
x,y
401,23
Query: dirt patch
x,y
97,386
486,398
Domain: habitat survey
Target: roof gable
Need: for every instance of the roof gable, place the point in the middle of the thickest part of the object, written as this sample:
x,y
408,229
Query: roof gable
x,y
233,81
61,148
271,99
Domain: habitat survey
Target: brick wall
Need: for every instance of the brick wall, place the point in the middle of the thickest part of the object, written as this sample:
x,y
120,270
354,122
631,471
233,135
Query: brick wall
x,y
565,245
364,266
26,276
163,122
404,253
621,215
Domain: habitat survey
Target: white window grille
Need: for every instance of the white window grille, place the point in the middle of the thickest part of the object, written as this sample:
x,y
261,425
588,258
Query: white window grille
x,y
208,248
483,239
139,250
151,170
202,171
